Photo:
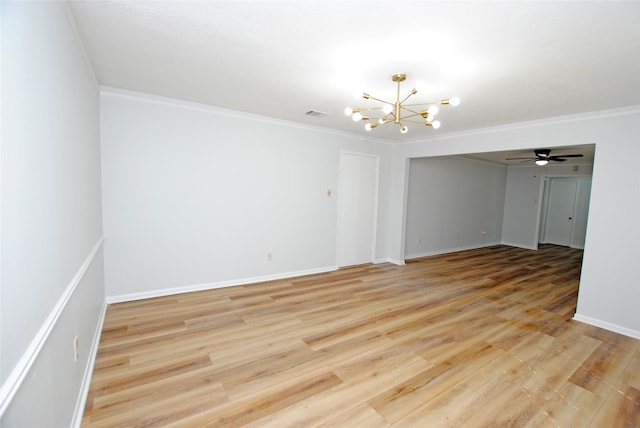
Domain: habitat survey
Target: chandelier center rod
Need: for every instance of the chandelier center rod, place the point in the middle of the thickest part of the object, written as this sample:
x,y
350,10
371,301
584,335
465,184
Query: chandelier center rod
x,y
399,77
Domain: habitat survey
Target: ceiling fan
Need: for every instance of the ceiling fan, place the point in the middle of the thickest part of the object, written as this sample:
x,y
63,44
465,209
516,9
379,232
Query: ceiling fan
x,y
543,156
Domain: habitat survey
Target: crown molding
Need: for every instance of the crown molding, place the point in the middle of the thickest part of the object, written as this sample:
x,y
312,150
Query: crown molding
x,y
191,105
571,118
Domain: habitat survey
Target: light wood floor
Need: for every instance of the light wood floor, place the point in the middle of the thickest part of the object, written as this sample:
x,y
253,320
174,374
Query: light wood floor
x,y
476,338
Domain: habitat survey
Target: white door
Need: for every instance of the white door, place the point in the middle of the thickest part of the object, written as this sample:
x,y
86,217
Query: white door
x,y
357,209
561,204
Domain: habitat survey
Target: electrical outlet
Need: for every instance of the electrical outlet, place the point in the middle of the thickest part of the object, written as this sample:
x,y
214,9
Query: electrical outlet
x,y
76,349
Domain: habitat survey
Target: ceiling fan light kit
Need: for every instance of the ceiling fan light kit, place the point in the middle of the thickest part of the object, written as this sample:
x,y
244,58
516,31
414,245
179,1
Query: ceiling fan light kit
x,y
398,111
543,156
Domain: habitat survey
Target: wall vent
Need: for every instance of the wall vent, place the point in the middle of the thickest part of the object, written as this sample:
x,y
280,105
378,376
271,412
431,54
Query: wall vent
x,y
316,113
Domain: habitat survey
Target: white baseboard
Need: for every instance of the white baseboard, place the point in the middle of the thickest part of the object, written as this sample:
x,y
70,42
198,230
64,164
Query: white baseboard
x,y
213,285
24,364
607,326
450,250
389,260
577,247
86,380
526,247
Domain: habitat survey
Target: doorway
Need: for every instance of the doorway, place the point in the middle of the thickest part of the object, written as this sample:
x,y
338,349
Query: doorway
x,y
565,211
357,209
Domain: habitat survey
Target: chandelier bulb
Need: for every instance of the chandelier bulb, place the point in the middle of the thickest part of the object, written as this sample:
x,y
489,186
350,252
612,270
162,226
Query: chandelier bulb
x,y
387,108
357,116
429,118
435,124
455,101
433,110
404,129
348,111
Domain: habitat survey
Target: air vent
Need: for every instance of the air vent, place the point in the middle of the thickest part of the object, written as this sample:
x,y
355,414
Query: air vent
x,y
316,113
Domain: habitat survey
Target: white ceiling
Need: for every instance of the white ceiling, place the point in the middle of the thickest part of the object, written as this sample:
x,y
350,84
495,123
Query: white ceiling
x,y
508,61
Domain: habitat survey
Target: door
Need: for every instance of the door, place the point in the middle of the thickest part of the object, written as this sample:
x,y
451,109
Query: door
x,y
561,204
357,209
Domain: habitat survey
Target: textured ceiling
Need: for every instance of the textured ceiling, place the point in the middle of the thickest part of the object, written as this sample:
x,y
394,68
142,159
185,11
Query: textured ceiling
x,y
508,61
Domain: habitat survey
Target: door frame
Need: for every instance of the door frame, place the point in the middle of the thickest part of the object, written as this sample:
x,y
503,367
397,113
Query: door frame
x,y
376,198
545,207
543,198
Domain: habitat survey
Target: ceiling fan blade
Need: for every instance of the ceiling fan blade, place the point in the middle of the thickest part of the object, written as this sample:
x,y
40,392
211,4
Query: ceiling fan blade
x,y
544,154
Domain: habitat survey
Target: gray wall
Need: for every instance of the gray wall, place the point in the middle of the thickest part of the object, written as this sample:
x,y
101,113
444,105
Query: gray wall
x,y
51,282
196,197
523,202
453,204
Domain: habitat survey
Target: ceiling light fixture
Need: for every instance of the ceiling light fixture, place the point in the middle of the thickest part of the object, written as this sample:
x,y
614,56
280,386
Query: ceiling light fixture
x,y
542,162
398,112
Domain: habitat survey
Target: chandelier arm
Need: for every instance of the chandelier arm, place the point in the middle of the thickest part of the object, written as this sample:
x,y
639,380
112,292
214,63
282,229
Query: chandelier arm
x,y
420,104
407,97
415,113
379,100
370,108
410,118
421,122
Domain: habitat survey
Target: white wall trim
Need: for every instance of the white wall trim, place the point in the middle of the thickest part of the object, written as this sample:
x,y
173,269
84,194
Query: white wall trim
x,y
525,247
607,326
389,260
191,105
86,379
24,364
551,174
571,118
450,250
213,285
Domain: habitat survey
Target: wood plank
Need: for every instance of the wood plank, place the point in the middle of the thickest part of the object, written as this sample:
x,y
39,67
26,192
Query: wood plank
x,y
475,338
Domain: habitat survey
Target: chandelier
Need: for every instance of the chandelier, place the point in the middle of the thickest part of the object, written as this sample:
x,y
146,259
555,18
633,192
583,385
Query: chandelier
x,y
399,112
